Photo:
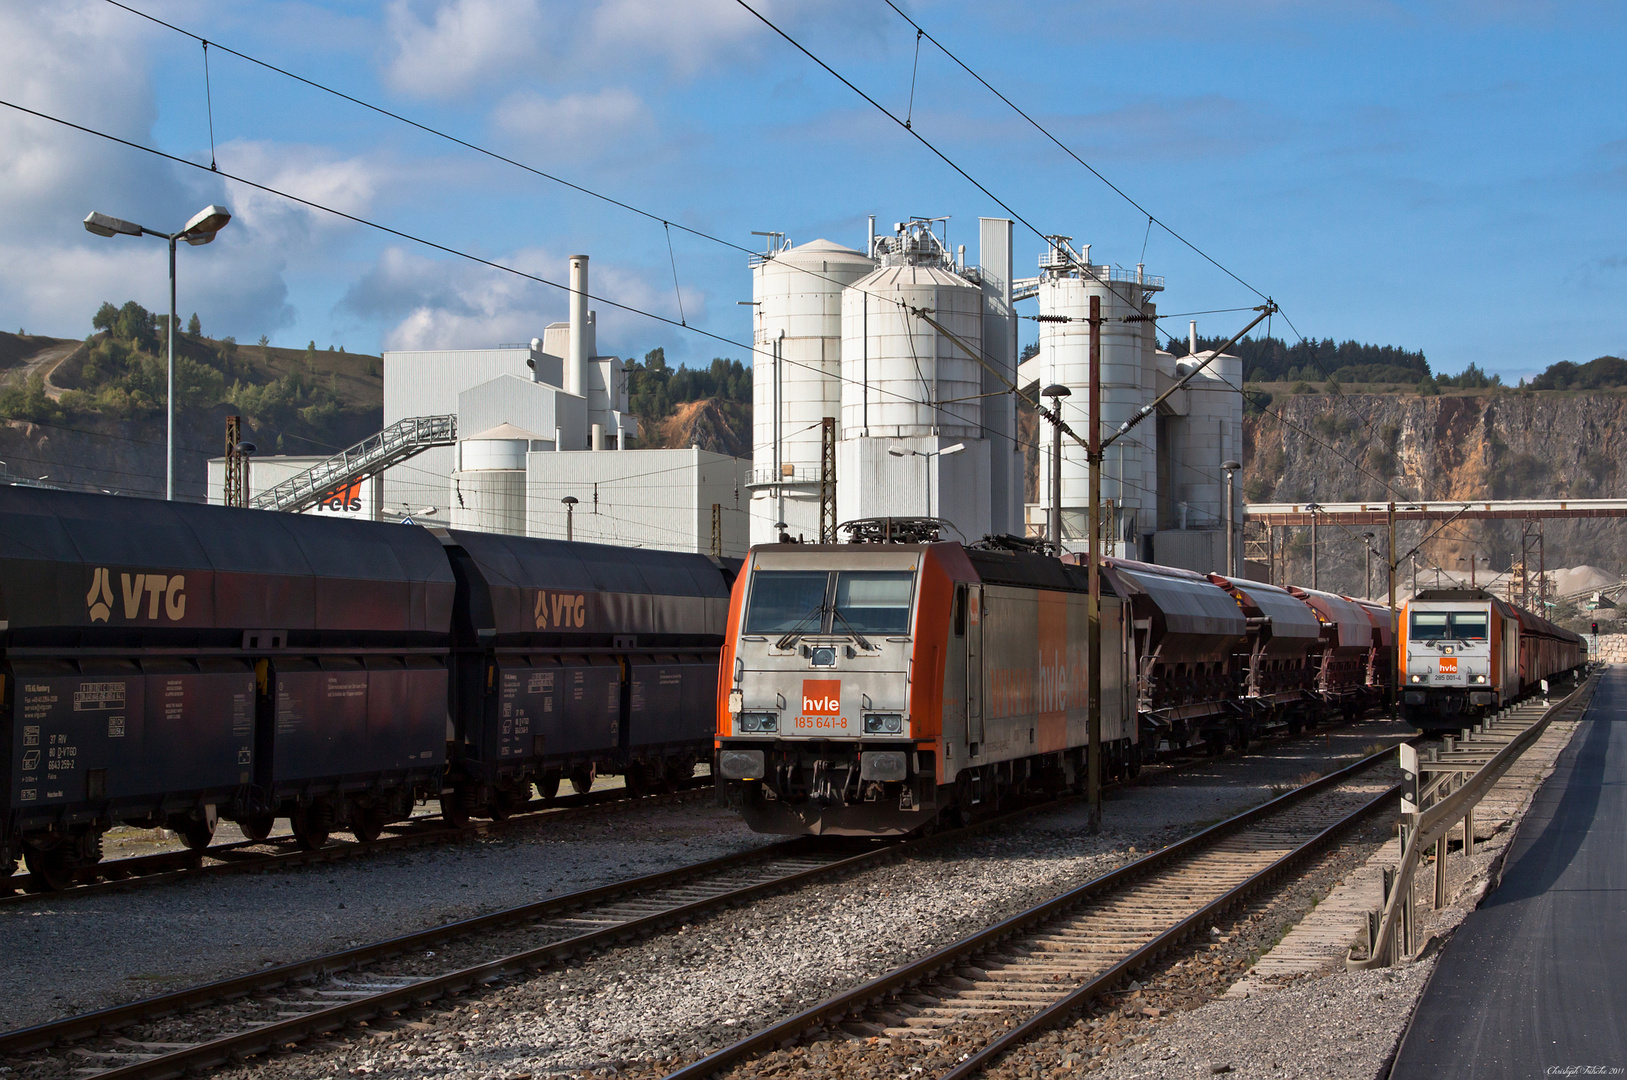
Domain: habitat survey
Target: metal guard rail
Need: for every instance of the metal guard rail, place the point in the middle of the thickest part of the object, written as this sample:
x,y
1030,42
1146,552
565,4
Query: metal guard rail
x,y
395,444
1431,826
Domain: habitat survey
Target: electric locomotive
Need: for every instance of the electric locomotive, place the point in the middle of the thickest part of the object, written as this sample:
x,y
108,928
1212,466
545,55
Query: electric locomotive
x,y
866,689
1468,653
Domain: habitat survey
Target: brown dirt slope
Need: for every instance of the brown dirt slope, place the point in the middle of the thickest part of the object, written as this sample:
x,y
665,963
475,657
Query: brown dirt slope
x,y
723,427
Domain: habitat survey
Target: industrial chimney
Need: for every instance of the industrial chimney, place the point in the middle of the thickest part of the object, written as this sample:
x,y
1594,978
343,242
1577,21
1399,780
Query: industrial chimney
x,y
576,364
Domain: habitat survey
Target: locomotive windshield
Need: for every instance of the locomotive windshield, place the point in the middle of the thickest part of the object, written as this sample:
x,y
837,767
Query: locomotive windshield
x,y
822,602
1449,625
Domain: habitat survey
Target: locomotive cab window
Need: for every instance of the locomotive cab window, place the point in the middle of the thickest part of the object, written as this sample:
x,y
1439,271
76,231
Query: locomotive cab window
x,y
1449,625
873,601
787,600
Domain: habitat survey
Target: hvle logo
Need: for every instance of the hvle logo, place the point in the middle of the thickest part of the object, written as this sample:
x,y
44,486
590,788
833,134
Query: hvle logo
x,y
1449,665
821,697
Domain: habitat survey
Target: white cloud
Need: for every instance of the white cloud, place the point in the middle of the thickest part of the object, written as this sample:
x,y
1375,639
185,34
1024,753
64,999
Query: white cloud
x,y
463,44
450,48
576,124
440,304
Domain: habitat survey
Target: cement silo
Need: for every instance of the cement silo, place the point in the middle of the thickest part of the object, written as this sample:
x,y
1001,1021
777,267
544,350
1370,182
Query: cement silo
x,y
796,377
912,421
1067,282
488,485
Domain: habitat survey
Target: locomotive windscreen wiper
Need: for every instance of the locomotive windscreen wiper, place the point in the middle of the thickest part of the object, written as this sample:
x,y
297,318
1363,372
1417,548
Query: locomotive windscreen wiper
x,y
797,628
863,644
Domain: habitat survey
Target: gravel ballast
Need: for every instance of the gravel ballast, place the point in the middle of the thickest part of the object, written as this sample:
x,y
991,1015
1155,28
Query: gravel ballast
x,y
680,995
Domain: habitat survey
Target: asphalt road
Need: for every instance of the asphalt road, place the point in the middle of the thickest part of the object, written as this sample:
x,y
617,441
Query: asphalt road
x,y
1534,983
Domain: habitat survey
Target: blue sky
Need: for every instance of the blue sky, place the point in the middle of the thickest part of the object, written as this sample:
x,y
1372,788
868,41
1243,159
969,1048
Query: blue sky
x,y
1446,177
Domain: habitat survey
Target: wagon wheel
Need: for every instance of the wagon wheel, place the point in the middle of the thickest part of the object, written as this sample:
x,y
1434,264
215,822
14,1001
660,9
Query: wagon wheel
x,y
582,778
196,833
548,786
257,827
367,824
312,824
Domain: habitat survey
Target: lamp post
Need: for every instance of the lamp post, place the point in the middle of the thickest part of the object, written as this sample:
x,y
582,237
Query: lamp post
x,y
904,451
570,510
199,230
1313,508
1367,585
244,449
1231,468
1056,392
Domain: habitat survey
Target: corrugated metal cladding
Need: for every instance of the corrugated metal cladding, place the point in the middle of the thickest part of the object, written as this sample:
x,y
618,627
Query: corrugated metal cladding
x,y
646,498
583,591
88,561
428,384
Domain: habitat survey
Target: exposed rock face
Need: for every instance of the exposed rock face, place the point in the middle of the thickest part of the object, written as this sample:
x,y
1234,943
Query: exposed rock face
x,y
710,424
1507,445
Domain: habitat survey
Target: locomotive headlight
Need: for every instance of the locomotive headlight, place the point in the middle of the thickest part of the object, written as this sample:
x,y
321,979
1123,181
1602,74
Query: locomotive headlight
x,y
1479,678
889,723
759,721
1417,678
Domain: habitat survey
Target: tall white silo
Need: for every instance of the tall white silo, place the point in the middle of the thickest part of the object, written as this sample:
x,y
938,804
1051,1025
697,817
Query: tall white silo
x,y
488,486
910,393
796,378
1066,284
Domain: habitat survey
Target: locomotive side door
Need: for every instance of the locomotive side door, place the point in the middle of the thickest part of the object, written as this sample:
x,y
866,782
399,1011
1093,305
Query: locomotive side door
x,y
974,663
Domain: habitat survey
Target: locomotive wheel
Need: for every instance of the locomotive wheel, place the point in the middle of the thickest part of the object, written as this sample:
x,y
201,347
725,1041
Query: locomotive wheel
x,y
582,778
195,833
548,786
312,824
960,815
367,824
257,827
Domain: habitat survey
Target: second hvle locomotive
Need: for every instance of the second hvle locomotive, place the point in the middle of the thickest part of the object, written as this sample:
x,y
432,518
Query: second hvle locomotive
x,y
865,688
1468,653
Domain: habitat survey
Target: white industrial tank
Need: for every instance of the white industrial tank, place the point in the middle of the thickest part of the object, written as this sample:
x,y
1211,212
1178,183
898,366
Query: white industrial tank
x,y
1066,284
488,485
902,377
796,376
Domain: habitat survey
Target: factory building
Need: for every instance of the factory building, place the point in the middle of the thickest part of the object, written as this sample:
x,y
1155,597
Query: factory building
x,y
545,422
882,341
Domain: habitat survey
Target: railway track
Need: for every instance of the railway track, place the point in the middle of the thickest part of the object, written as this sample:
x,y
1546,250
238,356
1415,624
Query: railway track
x,y
997,988
250,856
209,1025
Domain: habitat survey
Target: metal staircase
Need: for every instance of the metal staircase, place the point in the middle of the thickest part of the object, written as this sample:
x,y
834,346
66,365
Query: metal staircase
x,y
395,444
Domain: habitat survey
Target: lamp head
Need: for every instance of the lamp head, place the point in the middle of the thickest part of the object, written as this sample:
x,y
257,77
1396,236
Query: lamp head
x,y
899,451
205,224
106,225
1056,390
569,500
246,448
1231,466
946,451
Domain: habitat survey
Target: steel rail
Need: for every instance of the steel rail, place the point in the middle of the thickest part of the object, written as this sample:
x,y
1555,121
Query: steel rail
x,y
170,866
271,1036
917,971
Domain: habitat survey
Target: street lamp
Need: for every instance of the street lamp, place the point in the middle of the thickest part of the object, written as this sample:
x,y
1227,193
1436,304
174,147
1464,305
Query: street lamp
x,y
1368,585
199,230
244,449
1231,468
1313,508
1056,392
570,511
904,451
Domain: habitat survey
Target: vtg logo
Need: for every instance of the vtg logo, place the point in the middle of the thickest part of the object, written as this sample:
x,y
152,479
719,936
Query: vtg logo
x,y
821,697
156,587
560,610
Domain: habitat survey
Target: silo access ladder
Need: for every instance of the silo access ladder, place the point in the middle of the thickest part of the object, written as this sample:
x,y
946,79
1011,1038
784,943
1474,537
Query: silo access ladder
x,y
395,444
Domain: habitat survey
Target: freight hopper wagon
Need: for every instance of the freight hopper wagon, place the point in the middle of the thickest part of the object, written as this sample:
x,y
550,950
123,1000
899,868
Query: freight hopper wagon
x,y
1284,637
1468,653
170,664
574,659
1187,633
1344,662
866,689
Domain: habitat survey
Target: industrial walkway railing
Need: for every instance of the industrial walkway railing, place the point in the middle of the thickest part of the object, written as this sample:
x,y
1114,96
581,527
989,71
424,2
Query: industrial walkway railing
x,y
1440,789
395,444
